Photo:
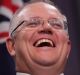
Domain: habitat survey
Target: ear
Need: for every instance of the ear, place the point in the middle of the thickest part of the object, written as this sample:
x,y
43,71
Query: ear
x,y
10,46
69,48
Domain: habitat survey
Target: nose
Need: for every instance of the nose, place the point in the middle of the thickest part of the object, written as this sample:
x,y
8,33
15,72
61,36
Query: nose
x,y
46,29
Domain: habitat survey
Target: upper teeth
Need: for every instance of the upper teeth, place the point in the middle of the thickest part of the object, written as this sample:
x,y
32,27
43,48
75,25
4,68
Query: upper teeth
x,y
44,40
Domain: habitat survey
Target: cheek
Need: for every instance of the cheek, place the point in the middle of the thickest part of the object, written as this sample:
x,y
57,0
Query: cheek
x,y
65,43
20,49
63,40
22,36
28,34
62,36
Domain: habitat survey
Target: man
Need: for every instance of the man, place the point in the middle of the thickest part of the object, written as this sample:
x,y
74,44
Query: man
x,y
39,40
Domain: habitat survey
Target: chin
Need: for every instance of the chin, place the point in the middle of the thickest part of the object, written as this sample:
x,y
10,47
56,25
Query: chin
x,y
45,62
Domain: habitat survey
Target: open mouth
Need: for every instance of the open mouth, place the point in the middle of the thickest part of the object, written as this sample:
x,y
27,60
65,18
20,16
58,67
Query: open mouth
x,y
44,43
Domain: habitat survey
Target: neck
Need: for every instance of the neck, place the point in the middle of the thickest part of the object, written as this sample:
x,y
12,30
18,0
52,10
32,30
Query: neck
x,y
45,71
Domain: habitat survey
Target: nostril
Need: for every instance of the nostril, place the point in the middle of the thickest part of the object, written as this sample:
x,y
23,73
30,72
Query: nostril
x,y
45,32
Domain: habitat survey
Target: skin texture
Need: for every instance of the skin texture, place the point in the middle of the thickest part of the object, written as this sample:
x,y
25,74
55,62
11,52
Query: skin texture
x,y
39,60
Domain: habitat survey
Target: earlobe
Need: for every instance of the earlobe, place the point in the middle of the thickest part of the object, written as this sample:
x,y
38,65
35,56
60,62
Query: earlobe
x,y
10,46
69,48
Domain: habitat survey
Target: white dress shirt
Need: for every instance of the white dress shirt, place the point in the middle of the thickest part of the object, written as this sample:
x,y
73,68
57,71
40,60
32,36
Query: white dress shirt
x,y
19,73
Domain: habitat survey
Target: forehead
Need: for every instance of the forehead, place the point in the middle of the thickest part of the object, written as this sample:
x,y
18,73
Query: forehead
x,y
39,9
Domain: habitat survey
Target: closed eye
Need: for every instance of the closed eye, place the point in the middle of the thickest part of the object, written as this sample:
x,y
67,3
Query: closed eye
x,y
57,26
56,23
32,24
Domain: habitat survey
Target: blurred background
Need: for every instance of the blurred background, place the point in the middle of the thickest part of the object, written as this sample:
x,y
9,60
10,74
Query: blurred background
x,y
71,8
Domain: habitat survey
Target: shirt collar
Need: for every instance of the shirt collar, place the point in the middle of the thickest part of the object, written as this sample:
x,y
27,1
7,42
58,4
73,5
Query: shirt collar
x,y
19,73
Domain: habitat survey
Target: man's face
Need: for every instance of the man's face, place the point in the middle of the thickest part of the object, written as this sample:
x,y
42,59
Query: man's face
x,y
41,42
